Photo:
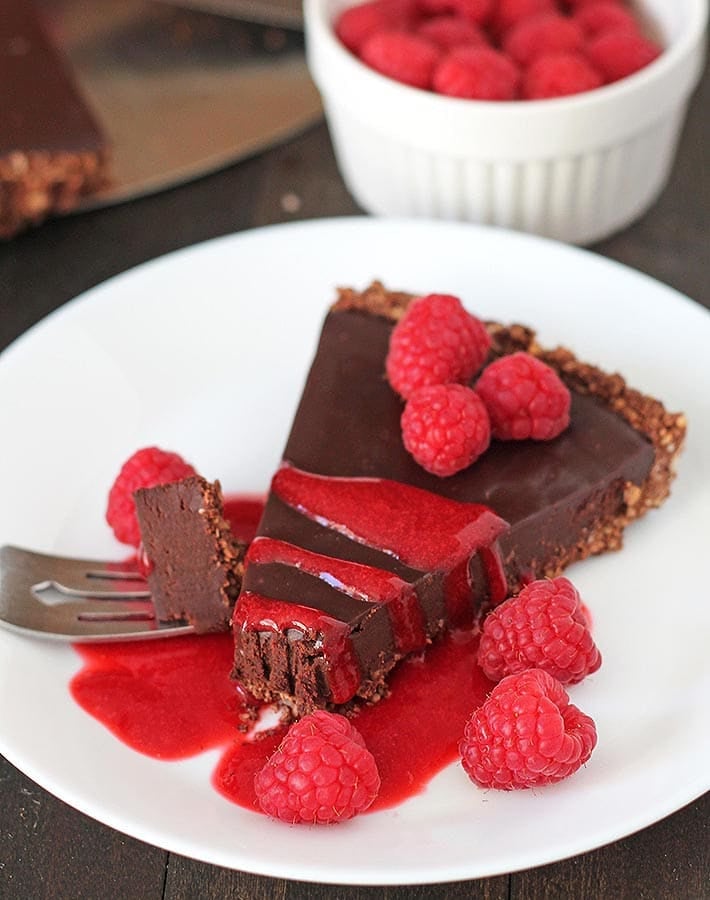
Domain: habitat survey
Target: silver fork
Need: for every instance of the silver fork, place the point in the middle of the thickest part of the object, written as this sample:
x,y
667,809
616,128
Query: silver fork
x,y
77,599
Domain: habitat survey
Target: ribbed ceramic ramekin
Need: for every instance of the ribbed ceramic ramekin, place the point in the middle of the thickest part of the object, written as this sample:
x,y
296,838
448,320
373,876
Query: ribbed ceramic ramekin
x,y
575,168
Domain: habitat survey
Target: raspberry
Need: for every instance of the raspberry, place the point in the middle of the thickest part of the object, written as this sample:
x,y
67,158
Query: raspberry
x,y
559,75
509,12
356,23
146,468
450,31
544,627
445,427
437,7
405,57
579,4
525,398
595,18
321,773
527,734
477,73
477,11
539,35
436,342
621,52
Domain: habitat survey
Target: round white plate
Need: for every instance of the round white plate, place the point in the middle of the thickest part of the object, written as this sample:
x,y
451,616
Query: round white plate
x,y
204,351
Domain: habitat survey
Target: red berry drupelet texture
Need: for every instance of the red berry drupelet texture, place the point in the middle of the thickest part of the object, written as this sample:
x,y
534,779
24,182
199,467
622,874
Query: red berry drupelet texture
x,y
357,23
559,75
449,31
525,398
508,13
146,468
477,73
477,11
527,734
620,52
498,50
321,773
436,342
445,427
596,18
580,4
540,35
408,58
544,627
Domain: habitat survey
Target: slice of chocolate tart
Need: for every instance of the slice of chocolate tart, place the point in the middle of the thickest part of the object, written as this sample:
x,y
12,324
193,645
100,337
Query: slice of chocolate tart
x,y
193,560
52,148
363,557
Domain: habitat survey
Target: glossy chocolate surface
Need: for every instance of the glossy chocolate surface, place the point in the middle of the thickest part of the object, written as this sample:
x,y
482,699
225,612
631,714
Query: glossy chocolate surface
x,y
348,424
551,494
42,108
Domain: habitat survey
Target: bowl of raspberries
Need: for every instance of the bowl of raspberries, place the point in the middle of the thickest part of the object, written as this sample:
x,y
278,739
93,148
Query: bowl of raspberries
x,y
556,117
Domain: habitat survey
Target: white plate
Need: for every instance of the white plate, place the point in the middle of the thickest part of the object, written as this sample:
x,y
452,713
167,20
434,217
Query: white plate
x,y
204,351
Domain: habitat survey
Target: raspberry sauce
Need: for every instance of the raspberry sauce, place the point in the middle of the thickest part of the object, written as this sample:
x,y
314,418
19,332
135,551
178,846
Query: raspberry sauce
x,y
172,699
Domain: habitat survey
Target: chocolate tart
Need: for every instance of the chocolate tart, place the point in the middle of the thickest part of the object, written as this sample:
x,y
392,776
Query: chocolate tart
x,y
194,562
52,149
341,581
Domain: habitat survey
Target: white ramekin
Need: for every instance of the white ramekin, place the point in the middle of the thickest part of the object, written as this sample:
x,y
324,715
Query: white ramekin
x,y
575,168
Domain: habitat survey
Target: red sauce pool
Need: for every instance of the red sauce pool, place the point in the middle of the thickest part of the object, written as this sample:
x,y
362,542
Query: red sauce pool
x,y
171,699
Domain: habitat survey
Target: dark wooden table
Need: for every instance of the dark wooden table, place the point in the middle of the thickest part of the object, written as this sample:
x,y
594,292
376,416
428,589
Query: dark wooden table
x,y
47,849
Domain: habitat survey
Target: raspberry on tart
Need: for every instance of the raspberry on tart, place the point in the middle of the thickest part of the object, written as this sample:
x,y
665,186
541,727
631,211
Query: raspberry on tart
x,y
436,342
445,427
525,398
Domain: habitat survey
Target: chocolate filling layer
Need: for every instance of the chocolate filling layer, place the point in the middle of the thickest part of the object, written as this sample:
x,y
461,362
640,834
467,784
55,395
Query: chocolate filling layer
x,y
562,499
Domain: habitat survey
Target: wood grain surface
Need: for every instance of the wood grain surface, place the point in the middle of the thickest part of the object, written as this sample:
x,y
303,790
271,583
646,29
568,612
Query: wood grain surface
x,y
47,849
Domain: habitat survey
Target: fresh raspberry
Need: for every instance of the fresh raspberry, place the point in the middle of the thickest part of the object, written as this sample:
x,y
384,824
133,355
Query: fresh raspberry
x,y
527,734
525,398
544,627
436,342
445,427
477,73
437,7
540,35
146,468
476,11
580,4
621,52
595,18
559,75
510,12
357,23
450,31
405,57
321,773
